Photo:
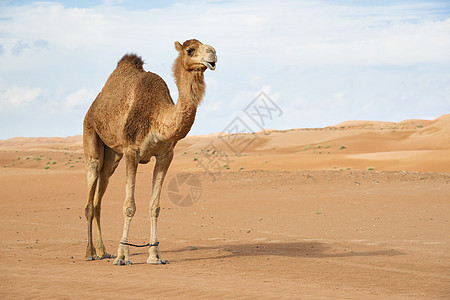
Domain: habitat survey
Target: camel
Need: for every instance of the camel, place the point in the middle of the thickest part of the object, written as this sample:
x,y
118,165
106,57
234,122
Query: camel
x,y
135,117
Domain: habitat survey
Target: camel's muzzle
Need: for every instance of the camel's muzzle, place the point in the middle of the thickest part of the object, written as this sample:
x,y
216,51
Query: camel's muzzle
x,y
210,64
211,60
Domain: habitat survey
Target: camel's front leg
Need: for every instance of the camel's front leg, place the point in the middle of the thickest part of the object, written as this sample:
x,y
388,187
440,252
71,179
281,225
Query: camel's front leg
x,y
161,167
129,207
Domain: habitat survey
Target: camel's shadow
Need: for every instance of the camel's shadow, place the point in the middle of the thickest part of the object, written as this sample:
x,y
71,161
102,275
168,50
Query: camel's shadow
x,y
284,249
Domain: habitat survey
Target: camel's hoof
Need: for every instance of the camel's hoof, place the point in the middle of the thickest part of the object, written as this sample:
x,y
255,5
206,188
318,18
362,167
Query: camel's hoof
x,y
158,262
89,258
105,256
122,262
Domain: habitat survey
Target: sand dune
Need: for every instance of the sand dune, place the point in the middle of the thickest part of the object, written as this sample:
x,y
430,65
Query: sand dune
x,y
410,145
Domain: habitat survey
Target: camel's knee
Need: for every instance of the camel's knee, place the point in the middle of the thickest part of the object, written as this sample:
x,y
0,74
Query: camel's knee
x,y
129,209
89,211
154,211
93,167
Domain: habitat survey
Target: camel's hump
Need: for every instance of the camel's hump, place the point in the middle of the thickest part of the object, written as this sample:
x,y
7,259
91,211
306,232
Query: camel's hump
x,y
133,59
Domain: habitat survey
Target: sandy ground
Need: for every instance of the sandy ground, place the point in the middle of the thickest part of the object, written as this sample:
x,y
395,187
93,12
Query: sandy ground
x,y
359,210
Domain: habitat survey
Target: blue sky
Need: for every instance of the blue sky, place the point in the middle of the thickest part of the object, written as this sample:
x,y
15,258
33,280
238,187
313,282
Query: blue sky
x,y
321,62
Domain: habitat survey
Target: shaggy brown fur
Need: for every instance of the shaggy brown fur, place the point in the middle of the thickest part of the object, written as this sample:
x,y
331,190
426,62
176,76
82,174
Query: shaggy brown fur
x,y
135,117
133,59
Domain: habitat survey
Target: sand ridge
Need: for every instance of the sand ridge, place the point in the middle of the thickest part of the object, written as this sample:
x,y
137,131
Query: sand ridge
x,y
411,145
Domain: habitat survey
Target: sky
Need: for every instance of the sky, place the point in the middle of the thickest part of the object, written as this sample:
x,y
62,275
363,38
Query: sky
x,y
320,62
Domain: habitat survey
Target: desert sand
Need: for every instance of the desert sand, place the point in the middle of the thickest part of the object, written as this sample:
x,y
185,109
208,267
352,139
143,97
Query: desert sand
x,y
358,210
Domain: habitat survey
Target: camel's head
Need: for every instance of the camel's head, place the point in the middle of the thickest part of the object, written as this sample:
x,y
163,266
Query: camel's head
x,y
196,56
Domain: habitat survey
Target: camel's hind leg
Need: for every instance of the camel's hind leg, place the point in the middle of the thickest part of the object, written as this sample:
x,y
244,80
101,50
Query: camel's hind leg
x,y
110,163
93,154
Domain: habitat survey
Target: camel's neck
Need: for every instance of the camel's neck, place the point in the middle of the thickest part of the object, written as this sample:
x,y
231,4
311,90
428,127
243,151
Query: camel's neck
x,y
191,88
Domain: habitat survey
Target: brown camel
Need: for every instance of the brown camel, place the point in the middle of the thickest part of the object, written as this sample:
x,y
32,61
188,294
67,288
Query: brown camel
x,y
135,117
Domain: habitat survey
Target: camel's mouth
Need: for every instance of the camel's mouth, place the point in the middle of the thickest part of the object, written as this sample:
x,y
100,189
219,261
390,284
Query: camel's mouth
x,y
210,64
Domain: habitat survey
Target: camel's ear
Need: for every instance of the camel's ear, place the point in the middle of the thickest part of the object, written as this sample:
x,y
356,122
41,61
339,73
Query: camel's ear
x,y
178,46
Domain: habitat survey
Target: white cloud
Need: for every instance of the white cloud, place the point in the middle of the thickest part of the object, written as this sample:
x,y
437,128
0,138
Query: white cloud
x,y
81,98
286,33
19,96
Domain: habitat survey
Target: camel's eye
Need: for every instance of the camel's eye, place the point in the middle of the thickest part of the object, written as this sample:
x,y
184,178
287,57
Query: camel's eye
x,y
190,51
